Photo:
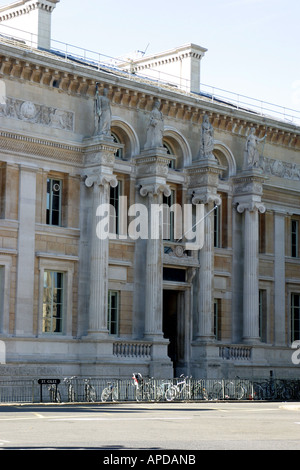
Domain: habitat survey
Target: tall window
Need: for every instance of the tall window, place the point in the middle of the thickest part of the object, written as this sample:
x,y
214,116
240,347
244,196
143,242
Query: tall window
x,y
295,317
263,314
217,319
53,302
217,227
220,215
114,217
54,195
113,312
168,217
294,238
262,232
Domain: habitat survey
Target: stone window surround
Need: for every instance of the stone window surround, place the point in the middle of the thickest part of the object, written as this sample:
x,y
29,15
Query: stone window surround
x,y
64,264
291,289
5,265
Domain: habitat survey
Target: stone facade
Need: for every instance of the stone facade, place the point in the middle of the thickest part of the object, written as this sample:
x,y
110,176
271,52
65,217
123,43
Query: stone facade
x,y
75,304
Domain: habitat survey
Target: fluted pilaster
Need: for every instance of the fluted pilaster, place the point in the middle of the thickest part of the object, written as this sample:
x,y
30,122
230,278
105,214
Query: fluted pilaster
x,y
250,281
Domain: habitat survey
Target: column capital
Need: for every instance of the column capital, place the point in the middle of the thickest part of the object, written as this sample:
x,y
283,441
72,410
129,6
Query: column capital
x,y
100,180
251,206
206,198
155,189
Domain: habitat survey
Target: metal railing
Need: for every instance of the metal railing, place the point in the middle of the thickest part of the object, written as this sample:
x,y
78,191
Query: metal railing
x,y
84,390
86,57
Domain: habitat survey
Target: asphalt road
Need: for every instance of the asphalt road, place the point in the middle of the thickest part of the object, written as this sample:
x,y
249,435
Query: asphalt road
x,y
155,427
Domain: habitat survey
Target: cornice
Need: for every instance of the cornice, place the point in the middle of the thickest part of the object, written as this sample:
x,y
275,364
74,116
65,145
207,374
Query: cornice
x,y
46,69
25,6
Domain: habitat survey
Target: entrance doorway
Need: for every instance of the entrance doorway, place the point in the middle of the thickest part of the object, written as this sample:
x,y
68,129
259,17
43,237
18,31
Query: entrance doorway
x,y
173,325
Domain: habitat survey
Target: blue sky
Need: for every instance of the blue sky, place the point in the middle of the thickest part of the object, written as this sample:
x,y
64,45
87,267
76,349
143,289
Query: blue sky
x,y
253,45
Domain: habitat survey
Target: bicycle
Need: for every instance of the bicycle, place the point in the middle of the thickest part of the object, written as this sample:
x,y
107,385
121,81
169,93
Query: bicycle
x,y
111,391
55,396
178,390
235,390
89,391
160,390
138,381
198,391
217,391
70,388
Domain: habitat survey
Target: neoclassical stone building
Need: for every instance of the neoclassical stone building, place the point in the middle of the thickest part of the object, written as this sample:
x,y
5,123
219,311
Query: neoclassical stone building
x,y
75,135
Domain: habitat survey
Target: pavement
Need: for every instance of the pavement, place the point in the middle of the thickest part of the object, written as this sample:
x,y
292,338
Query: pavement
x,y
153,427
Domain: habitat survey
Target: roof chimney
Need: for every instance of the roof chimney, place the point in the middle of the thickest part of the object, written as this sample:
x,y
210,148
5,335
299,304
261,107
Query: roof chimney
x,y
179,67
29,21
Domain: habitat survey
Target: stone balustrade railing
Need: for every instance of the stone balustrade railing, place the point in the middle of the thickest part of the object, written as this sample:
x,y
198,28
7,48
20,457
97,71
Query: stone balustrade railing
x,y
236,352
134,349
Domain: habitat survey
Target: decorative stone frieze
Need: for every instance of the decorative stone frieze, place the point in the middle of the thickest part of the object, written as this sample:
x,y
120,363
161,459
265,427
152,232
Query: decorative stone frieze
x,y
279,168
37,114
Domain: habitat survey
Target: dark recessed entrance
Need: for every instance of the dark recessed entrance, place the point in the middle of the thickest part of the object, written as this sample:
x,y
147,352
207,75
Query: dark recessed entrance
x,y
170,323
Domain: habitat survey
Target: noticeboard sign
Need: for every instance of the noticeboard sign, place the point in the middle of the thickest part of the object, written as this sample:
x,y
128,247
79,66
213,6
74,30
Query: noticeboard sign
x,y
49,381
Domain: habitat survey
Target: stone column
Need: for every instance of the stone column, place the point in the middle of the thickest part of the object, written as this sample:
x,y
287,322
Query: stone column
x,y
152,171
99,256
99,158
250,278
248,190
154,262
206,271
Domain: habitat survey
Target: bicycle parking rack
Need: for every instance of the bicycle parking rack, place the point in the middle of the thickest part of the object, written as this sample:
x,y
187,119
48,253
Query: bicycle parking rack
x,y
83,390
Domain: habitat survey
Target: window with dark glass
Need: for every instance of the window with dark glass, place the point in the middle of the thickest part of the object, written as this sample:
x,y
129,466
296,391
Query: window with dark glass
x,y
262,314
294,238
168,217
217,319
114,217
54,194
113,312
295,317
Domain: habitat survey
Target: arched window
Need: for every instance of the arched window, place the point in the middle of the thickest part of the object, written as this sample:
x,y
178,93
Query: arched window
x,y
170,151
119,153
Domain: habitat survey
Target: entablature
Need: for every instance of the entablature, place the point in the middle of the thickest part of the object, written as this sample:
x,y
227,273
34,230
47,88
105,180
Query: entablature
x,y
47,69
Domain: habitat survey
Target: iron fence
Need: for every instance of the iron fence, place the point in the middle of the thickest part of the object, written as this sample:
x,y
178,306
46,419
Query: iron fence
x,y
83,390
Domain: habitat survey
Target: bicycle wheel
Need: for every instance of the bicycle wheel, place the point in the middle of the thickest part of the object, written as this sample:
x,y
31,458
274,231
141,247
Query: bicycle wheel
x,y
171,393
159,393
217,391
92,396
258,392
105,394
240,392
229,390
